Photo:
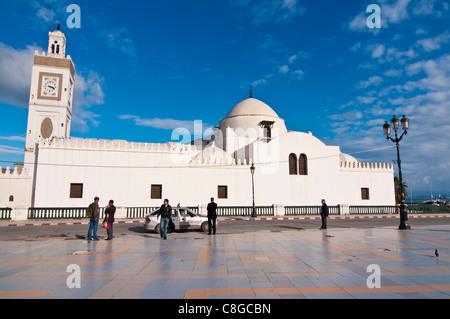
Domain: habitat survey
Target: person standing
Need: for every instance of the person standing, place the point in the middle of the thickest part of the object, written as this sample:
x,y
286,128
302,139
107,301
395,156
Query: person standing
x,y
212,216
109,216
93,213
166,214
324,214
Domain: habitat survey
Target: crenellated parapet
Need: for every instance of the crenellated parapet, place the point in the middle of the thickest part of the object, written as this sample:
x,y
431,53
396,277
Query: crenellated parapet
x,y
113,145
17,171
358,166
180,153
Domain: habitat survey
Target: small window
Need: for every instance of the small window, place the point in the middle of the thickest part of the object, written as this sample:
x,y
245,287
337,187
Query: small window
x,y
11,198
267,132
292,164
76,190
365,194
222,192
156,192
303,164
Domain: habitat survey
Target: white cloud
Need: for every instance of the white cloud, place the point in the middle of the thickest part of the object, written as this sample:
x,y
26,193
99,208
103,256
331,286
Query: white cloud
x,y
298,74
298,55
395,12
15,70
358,23
432,44
378,51
372,81
165,124
347,116
424,7
283,69
13,138
88,93
270,11
393,72
46,14
118,39
4,149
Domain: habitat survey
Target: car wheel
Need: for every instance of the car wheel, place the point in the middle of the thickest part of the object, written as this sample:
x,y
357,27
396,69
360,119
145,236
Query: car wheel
x,y
158,229
205,227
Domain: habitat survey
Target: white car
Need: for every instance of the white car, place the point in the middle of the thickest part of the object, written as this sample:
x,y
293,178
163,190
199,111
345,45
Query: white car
x,y
183,219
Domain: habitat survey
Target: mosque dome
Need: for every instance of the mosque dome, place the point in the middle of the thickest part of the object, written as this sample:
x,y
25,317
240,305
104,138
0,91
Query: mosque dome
x,y
252,116
252,107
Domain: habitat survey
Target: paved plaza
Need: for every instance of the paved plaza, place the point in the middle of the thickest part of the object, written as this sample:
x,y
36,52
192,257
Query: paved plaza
x,y
331,264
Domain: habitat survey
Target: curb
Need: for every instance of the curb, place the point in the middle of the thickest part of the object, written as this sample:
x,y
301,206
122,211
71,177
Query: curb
x,y
140,221
334,217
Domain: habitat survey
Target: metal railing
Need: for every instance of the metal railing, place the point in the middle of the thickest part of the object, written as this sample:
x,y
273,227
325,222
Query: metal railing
x,y
60,213
368,210
245,211
309,210
141,212
5,213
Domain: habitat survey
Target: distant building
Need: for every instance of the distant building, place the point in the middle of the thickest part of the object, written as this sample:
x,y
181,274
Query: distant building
x,y
291,168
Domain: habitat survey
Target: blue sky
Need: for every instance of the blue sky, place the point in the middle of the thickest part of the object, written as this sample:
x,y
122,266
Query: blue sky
x,y
145,68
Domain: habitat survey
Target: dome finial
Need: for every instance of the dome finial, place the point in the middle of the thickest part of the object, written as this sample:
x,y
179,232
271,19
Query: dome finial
x,y
58,27
251,91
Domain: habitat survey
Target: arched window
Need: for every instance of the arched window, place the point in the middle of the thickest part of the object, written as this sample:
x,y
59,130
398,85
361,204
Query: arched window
x,y
293,164
303,164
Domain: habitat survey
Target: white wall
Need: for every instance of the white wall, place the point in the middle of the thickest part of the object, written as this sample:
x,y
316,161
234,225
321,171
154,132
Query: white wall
x,y
16,184
125,172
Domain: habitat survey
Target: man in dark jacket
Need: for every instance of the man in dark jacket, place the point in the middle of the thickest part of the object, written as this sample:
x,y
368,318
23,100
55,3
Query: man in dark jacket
x,y
166,214
212,216
93,213
109,216
324,214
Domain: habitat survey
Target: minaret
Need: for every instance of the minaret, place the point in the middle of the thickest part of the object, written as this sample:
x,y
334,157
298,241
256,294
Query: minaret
x,y
51,93
56,44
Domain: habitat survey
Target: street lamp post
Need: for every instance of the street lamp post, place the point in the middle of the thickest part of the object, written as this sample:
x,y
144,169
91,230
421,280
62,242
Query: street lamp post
x,y
252,171
404,224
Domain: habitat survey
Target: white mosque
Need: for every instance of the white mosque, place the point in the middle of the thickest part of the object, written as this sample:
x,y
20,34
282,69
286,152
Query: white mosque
x,y
290,168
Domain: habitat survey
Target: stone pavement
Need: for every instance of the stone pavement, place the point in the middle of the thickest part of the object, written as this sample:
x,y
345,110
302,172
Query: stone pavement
x,y
331,264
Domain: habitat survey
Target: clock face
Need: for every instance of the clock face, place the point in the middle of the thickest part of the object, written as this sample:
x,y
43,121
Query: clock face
x,y
50,86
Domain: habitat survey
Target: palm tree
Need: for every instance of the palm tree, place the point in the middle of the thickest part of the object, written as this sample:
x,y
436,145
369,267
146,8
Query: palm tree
x,y
398,197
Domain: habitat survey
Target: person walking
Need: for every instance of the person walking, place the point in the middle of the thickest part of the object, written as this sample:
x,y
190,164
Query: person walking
x,y
166,214
212,216
109,216
324,214
93,213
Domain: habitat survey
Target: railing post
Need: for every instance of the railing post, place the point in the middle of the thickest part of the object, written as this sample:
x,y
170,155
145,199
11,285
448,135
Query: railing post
x,y
344,209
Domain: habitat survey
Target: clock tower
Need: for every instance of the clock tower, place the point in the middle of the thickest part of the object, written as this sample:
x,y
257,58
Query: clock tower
x,y
51,93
